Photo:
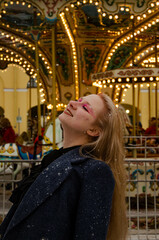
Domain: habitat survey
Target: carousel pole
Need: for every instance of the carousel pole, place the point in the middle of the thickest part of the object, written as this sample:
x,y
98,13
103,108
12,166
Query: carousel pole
x,y
156,87
138,105
44,113
38,88
133,88
156,100
54,84
134,115
149,100
30,119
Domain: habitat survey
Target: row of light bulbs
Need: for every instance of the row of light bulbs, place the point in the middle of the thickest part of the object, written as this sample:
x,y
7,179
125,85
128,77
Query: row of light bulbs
x,y
6,4
74,53
28,44
103,83
122,8
41,91
59,106
128,37
122,89
145,53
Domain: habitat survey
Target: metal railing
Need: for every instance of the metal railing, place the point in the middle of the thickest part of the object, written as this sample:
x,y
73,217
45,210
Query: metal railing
x,y
142,191
142,146
142,197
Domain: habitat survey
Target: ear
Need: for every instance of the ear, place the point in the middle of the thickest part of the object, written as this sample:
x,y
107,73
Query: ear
x,y
94,132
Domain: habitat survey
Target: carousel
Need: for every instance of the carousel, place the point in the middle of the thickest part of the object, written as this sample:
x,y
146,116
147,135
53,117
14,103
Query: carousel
x,y
52,52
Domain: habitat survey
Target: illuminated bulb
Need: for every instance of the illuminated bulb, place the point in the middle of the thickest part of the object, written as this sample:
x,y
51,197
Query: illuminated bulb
x,y
104,14
29,5
151,78
132,17
110,16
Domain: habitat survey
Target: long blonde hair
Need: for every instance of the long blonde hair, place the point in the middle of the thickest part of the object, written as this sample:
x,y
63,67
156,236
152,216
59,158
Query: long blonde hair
x,y
109,148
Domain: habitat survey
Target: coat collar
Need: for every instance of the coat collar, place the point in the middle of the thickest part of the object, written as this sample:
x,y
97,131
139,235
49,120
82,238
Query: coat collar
x,y
46,184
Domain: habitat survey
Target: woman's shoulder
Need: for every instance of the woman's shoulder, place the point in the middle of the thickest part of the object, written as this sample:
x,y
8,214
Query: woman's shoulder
x,y
91,167
92,163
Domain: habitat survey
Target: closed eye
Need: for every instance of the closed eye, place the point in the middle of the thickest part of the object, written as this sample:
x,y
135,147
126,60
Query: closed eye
x,y
85,107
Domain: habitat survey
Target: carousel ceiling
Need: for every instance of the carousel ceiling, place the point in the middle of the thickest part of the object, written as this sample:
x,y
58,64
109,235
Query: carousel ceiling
x,y
91,36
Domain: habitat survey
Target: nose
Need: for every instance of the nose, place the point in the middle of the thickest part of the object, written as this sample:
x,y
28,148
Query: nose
x,y
73,104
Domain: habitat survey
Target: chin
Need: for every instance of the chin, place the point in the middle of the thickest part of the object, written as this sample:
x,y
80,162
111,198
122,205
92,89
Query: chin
x,y
60,116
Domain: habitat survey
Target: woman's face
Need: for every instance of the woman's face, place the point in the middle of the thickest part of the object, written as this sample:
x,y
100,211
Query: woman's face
x,y
82,115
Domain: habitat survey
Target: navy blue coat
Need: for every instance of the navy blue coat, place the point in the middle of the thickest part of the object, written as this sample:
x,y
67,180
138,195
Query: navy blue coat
x,y
70,200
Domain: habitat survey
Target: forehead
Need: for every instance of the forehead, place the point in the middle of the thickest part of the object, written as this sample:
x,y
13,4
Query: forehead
x,y
95,102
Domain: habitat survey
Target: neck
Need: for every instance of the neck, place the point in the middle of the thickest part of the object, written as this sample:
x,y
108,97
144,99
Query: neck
x,y
74,140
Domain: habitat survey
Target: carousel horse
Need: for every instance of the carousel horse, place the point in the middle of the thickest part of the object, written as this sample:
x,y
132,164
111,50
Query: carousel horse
x,y
14,151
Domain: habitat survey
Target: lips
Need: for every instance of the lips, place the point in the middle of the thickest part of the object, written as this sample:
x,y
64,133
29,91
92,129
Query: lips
x,y
68,112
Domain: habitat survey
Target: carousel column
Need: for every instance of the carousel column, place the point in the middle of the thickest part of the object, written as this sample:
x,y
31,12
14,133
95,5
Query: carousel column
x,y
149,100
138,106
156,109
15,99
134,115
54,84
156,87
30,117
38,88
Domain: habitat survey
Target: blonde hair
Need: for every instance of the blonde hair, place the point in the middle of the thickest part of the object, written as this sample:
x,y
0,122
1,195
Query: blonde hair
x,y
109,148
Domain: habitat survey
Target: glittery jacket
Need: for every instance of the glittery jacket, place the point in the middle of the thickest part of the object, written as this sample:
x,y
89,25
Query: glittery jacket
x,y
70,200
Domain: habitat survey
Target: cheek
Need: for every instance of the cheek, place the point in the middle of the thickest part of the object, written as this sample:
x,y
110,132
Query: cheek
x,y
81,116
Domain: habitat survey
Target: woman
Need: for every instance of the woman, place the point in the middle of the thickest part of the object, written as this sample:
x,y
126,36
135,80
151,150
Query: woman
x,y
78,192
